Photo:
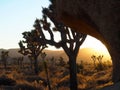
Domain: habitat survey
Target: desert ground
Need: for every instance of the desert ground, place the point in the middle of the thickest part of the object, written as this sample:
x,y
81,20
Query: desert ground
x,y
21,76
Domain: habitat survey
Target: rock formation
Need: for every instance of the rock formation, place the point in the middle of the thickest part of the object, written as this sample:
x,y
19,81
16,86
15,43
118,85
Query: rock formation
x,y
98,18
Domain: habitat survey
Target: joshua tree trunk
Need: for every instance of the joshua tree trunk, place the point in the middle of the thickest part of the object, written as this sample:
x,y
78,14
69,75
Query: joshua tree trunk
x,y
73,72
36,66
47,75
31,64
5,64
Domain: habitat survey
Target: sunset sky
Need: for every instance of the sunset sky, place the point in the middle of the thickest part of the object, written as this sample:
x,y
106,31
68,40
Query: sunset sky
x,y
17,16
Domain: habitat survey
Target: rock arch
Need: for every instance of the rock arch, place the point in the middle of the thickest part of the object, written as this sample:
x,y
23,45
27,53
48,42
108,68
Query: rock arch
x,y
98,18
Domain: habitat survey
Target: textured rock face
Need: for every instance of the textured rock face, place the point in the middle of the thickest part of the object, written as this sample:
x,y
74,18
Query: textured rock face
x,y
99,18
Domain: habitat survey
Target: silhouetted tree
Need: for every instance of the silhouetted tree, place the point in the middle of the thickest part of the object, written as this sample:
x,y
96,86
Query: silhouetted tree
x,y
94,58
4,57
31,46
31,61
99,58
70,40
20,62
43,55
100,65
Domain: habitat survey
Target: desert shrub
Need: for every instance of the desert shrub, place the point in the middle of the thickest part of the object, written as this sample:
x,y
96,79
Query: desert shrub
x,y
107,64
90,84
7,81
65,73
103,77
103,66
7,88
64,82
99,67
36,78
41,67
26,87
64,88
61,61
80,67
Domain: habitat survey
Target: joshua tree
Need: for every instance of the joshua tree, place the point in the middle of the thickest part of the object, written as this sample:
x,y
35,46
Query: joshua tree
x,y
31,61
70,40
31,46
94,60
100,65
43,55
4,57
99,58
20,61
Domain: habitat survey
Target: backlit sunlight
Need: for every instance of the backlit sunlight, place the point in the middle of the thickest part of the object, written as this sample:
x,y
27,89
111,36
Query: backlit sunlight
x,y
98,48
92,42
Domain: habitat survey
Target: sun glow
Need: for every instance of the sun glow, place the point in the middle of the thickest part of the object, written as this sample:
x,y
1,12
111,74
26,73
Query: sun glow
x,y
97,46
100,47
92,42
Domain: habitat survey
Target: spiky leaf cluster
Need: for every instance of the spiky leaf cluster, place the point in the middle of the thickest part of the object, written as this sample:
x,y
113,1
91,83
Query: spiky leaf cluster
x,y
31,45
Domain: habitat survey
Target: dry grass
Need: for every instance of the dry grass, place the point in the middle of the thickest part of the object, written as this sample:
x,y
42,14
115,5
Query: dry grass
x,y
90,79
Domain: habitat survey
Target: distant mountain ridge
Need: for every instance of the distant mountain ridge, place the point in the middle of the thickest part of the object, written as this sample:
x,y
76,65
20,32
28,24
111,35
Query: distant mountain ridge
x,y
84,54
